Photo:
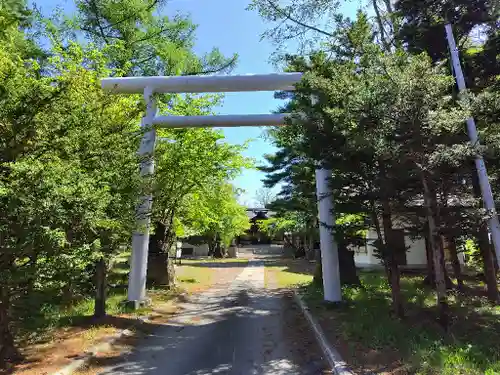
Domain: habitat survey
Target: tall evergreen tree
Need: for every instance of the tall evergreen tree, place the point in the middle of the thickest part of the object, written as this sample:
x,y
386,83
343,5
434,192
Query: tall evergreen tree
x,y
141,43
383,123
476,29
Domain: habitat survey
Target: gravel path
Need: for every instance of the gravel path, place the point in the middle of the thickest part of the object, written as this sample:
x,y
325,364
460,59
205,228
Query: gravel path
x,y
241,329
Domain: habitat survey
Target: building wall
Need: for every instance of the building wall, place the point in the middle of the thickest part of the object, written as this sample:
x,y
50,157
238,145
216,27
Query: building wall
x,y
415,255
364,257
198,251
201,250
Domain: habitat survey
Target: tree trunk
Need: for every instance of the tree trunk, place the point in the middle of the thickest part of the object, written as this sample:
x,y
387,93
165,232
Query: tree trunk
x,y
211,246
101,286
429,279
485,249
381,240
169,263
450,240
437,254
391,262
161,243
457,267
310,246
347,267
318,270
447,280
389,255
31,273
218,250
488,265
156,240
8,351
494,257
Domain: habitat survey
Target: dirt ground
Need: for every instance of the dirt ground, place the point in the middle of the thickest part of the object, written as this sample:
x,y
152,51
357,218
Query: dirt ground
x,y
295,327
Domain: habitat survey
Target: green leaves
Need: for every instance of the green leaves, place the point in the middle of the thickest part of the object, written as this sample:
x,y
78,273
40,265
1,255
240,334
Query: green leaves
x,y
137,42
372,108
69,176
193,168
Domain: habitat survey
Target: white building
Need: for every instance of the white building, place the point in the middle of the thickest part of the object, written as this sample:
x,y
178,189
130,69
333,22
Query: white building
x,y
415,255
189,250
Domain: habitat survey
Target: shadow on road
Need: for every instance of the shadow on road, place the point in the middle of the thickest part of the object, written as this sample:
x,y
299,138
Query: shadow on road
x,y
246,331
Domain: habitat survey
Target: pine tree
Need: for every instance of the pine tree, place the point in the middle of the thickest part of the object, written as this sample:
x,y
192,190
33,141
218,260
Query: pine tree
x,y
138,42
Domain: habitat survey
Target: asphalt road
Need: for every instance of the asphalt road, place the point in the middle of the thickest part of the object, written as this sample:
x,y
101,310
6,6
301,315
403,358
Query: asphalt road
x,y
242,329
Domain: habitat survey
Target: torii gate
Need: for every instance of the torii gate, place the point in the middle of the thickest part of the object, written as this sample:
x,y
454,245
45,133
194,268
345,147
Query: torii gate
x,y
148,86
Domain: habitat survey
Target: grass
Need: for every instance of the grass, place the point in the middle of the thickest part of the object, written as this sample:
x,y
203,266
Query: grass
x,y
198,275
193,279
56,334
281,277
214,260
372,338
46,315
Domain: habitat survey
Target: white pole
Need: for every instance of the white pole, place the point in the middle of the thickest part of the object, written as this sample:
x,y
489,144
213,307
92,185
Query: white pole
x,y
328,246
489,202
140,237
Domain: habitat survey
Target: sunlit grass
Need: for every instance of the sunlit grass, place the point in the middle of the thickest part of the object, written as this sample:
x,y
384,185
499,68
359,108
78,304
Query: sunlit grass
x,y
472,346
281,278
51,317
191,279
94,332
214,260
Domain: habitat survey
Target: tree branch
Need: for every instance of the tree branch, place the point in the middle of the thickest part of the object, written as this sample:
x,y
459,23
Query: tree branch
x,y
148,8
149,36
215,70
300,23
145,60
96,10
380,26
104,36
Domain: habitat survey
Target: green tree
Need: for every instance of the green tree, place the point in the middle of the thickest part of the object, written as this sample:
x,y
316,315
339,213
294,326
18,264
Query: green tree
x,y
475,26
187,161
384,125
425,19
316,25
216,215
294,167
68,175
141,43
68,178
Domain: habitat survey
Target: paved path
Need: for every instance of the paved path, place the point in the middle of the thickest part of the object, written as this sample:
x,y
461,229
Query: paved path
x,y
237,330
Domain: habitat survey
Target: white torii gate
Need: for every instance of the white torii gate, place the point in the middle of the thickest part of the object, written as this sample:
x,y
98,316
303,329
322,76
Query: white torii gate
x,y
148,86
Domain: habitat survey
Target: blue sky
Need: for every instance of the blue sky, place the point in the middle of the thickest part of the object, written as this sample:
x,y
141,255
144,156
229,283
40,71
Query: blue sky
x,y
227,25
